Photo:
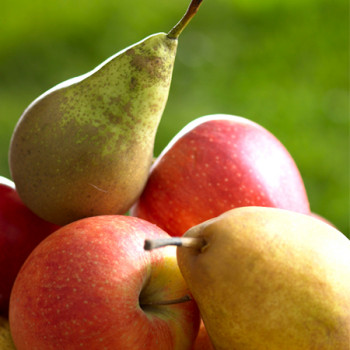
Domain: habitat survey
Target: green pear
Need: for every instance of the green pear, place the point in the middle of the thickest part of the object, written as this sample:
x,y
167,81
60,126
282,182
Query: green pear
x,y
85,147
269,279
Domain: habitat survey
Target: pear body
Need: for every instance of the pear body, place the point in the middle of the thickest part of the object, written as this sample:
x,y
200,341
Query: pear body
x,y
270,279
84,147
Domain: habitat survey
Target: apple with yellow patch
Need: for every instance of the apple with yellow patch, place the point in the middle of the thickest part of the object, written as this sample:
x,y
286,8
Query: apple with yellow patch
x,y
91,285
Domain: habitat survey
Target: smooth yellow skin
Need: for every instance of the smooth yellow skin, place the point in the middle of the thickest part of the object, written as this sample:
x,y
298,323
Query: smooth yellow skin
x,y
270,279
6,342
85,147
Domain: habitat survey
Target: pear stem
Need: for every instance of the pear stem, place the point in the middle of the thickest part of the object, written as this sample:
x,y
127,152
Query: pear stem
x,y
180,26
188,242
182,299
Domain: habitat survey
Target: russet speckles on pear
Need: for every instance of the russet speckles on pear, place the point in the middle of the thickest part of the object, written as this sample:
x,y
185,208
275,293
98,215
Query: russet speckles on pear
x,y
92,127
85,147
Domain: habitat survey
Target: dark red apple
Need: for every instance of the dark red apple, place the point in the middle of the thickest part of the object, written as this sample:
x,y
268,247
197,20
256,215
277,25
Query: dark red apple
x,y
217,163
91,285
20,232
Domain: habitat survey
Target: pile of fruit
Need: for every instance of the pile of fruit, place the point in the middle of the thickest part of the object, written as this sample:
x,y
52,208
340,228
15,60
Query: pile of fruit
x,y
210,246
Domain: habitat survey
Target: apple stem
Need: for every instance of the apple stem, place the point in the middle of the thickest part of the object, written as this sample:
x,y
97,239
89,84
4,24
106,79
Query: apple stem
x,y
188,242
183,299
180,26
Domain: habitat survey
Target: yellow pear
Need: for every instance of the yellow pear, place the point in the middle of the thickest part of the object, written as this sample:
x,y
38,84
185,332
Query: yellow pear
x,y
269,279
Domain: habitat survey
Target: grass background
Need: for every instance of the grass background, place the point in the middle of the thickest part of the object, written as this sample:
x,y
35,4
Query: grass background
x,y
282,64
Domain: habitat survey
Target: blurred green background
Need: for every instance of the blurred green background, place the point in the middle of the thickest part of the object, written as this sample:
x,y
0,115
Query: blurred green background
x,y
283,64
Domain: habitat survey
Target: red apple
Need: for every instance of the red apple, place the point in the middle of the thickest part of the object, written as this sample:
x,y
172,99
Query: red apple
x,y
217,163
91,285
20,232
203,341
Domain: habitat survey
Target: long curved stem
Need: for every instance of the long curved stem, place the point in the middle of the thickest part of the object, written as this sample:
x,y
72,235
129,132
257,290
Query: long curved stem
x,y
180,26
